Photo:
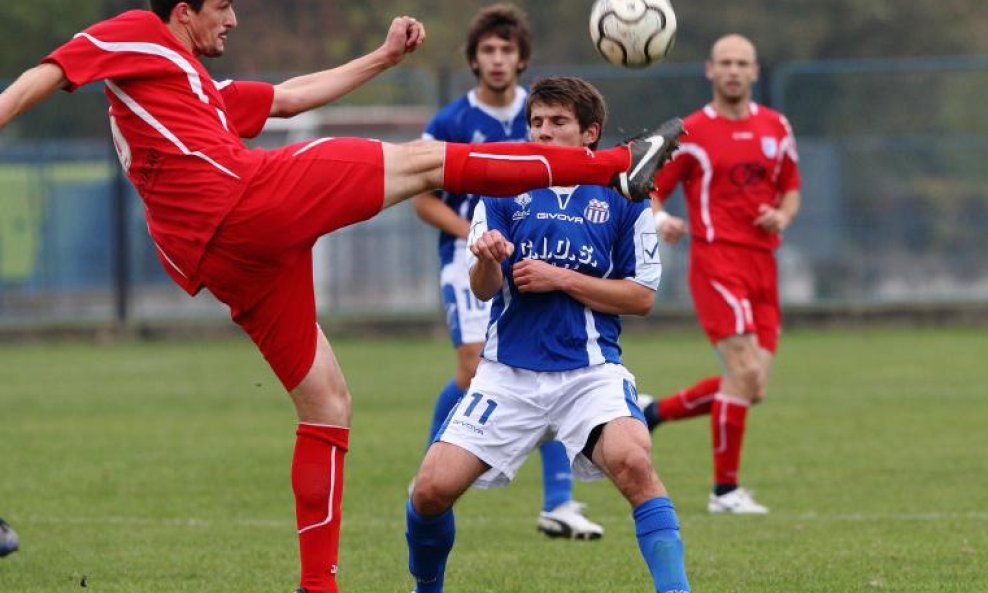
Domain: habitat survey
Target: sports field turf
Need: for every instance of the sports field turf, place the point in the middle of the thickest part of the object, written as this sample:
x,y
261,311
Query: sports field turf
x,y
163,467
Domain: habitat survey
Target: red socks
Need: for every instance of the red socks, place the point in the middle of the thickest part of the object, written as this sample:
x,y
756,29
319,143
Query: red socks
x,y
727,416
509,168
692,401
317,479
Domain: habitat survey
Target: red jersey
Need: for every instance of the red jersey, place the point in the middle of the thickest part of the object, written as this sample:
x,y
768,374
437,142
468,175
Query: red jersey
x,y
176,130
728,169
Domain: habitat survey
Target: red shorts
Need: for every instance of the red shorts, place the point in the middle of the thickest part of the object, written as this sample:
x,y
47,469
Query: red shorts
x,y
260,260
736,291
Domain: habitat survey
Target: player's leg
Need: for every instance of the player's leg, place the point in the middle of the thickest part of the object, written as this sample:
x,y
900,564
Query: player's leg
x,y
623,452
561,516
604,432
507,169
446,473
693,401
739,387
273,301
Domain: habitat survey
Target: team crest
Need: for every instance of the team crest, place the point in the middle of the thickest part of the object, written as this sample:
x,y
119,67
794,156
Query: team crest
x,y
523,201
770,146
597,211
478,137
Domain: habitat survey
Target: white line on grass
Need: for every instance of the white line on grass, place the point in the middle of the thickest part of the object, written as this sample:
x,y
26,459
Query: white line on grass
x,y
289,524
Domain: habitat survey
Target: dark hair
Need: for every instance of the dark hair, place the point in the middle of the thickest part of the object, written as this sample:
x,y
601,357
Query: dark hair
x,y
580,96
163,8
506,21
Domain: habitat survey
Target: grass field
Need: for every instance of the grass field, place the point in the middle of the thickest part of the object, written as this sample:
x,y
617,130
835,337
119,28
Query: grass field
x,y
163,467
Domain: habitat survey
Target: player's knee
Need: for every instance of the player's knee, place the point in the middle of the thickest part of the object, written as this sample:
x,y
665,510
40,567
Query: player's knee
x,y
430,497
632,469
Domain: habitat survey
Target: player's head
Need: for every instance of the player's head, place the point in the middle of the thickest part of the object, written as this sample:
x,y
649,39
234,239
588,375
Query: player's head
x,y
733,68
206,23
499,44
565,111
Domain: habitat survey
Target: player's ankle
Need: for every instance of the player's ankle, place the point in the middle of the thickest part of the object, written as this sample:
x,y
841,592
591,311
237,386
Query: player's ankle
x,y
722,489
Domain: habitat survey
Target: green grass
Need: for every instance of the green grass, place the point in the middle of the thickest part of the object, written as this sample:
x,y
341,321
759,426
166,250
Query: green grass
x,y
163,467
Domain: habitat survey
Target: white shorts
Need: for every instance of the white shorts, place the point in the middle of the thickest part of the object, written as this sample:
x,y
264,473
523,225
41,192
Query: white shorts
x,y
507,412
466,315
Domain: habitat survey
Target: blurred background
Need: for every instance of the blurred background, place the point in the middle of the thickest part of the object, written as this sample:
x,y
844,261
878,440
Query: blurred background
x,y
884,95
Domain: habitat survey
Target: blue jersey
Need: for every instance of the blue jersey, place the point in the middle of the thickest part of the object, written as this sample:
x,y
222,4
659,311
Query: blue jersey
x,y
590,229
469,121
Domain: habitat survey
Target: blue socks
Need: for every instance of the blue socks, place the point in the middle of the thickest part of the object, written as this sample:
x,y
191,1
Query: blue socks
x,y
557,475
429,541
446,402
658,539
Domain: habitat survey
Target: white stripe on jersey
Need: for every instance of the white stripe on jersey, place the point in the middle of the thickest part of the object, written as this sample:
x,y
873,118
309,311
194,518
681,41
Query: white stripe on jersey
x,y
594,353
708,174
161,129
153,49
312,144
222,85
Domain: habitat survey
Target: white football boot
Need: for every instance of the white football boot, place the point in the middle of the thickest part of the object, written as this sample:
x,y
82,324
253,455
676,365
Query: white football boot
x,y
738,502
567,520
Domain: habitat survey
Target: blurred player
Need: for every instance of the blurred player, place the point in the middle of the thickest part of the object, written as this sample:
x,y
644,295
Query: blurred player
x,y
9,542
242,222
561,265
739,170
498,49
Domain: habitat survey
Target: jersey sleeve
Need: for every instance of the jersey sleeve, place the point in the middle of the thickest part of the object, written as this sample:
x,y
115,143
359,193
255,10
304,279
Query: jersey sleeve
x,y
671,174
248,105
97,54
788,179
489,215
436,130
636,252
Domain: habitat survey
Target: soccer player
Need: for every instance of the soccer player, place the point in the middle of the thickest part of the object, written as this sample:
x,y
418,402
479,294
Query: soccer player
x,y
739,169
561,264
9,542
498,49
242,222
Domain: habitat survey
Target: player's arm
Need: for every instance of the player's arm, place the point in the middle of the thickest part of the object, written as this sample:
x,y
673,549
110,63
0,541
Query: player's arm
x,y
307,92
433,211
670,228
776,220
30,88
491,249
617,296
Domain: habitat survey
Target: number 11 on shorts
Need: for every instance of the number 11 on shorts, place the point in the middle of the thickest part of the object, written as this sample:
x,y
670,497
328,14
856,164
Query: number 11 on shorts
x,y
476,399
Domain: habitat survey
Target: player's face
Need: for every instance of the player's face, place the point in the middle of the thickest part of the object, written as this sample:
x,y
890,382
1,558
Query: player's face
x,y
210,26
497,63
557,125
733,70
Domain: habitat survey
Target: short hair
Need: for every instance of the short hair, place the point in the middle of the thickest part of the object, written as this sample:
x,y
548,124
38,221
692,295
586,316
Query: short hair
x,y
580,96
163,8
506,21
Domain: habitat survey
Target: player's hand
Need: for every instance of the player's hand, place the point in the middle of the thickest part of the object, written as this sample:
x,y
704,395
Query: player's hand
x,y
533,275
672,229
772,220
492,246
405,35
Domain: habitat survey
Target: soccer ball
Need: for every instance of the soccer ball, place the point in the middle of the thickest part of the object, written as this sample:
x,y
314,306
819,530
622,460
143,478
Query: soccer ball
x,y
633,33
